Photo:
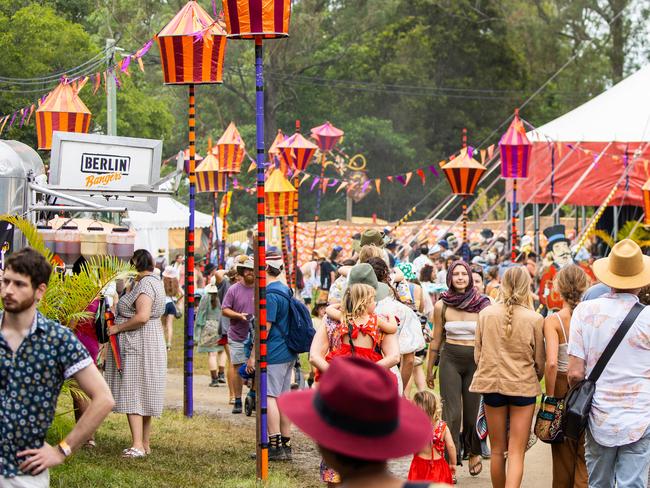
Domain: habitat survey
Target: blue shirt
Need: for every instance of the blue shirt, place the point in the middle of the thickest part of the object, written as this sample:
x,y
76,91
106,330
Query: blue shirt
x,y
30,382
277,312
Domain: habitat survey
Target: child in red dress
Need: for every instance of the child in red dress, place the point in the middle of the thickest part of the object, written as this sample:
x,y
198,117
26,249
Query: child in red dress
x,y
430,464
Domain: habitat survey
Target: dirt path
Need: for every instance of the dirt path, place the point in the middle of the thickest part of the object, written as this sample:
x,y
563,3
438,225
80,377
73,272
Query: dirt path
x,y
214,401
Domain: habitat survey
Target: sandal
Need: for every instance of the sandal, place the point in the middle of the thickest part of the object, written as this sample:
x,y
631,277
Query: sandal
x,y
133,453
476,468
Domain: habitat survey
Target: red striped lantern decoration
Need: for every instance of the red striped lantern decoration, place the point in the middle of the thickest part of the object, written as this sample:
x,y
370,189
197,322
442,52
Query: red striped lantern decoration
x,y
646,202
62,110
231,149
296,151
463,173
187,56
280,201
247,19
208,176
515,150
327,136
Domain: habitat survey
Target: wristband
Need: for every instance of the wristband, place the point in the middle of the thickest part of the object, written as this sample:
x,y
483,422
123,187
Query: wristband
x,y
64,448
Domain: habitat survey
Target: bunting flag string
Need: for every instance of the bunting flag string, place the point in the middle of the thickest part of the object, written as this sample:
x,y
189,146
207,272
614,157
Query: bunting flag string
x,y
122,66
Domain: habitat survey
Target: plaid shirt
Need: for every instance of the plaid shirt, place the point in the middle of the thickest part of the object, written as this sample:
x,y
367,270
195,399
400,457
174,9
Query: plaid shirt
x,y
30,382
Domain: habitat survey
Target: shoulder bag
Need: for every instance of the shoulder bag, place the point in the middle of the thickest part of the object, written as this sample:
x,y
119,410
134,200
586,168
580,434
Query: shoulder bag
x,y
579,398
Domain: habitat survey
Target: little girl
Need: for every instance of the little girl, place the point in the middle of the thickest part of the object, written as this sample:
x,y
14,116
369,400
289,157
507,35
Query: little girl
x,y
430,464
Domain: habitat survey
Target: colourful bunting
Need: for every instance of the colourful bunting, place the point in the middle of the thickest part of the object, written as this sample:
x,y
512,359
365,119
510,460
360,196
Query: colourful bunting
x,y
420,173
378,186
409,175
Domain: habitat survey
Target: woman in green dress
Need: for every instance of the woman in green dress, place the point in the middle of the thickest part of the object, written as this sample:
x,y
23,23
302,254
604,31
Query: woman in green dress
x,y
209,332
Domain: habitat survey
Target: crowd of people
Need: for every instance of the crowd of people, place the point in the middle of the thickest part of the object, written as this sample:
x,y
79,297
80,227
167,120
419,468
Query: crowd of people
x,y
436,350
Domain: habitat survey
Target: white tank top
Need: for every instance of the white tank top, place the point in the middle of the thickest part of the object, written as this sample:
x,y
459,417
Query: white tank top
x,y
461,330
562,350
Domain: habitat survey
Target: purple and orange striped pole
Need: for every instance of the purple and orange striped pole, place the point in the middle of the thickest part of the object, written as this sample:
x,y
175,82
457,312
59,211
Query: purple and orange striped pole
x,y
261,332
188,363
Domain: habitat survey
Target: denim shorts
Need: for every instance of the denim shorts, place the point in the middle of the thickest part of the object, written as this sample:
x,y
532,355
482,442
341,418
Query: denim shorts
x,y
170,309
496,400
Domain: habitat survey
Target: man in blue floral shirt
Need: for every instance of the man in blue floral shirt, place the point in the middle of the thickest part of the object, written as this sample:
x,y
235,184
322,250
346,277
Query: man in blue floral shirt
x,y
36,356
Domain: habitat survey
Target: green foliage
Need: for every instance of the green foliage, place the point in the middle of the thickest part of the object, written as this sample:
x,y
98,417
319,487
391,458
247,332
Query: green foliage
x,y
401,77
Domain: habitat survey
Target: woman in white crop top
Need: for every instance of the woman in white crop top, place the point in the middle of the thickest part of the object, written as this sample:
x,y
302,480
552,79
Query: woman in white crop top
x,y
455,316
569,468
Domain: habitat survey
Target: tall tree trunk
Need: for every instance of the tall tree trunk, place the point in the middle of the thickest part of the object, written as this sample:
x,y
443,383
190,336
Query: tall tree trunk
x,y
619,39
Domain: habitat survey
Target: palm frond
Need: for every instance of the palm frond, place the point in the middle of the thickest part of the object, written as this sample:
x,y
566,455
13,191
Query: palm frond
x,y
31,234
608,239
68,296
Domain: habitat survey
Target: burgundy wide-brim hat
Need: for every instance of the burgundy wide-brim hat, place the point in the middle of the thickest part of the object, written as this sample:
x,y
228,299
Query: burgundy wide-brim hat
x,y
357,411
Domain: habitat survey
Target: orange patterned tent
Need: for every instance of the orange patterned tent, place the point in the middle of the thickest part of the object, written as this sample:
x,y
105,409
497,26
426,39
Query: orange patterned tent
x,y
280,200
231,149
189,53
62,110
296,151
246,19
208,176
463,173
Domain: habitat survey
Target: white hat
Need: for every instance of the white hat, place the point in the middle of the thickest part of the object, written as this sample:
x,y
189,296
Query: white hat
x,y
274,260
211,288
435,249
170,272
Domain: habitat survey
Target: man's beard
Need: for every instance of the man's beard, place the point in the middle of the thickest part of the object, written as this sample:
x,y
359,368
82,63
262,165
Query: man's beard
x,y
18,307
249,281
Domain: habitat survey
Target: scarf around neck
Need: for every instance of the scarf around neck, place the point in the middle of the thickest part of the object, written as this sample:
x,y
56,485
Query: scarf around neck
x,y
470,301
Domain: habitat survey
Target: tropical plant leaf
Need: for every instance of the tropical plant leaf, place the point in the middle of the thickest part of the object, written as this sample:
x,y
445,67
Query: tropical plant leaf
x,y
68,296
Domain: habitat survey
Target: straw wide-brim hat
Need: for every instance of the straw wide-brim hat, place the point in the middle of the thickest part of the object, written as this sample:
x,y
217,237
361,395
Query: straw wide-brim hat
x,y
626,268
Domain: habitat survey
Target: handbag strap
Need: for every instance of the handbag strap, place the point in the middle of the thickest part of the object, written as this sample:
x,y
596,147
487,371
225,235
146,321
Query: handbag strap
x,y
615,341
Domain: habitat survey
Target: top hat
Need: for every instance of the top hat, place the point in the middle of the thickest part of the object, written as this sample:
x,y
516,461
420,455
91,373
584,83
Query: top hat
x,y
626,268
365,418
555,233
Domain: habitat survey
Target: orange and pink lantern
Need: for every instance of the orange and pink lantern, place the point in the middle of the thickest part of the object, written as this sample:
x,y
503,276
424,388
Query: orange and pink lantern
x,y
280,195
231,150
296,152
192,49
326,136
515,151
63,111
463,173
209,178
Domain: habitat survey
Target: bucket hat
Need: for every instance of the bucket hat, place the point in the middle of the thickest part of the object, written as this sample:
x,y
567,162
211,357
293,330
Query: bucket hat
x,y
274,260
364,418
625,268
372,237
246,262
211,288
364,274
170,272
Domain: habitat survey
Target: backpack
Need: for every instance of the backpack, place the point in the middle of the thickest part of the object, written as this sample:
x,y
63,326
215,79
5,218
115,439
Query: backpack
x,y
301,328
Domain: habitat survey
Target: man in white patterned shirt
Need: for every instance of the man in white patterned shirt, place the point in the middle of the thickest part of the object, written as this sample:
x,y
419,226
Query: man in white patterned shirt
x,y
617,446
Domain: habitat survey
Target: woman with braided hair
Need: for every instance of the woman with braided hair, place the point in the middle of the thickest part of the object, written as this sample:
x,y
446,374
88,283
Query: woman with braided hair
x,y
509,353
569,468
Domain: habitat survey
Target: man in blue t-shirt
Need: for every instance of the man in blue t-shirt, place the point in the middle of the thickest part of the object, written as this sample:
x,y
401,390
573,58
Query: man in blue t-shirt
x,y
279,358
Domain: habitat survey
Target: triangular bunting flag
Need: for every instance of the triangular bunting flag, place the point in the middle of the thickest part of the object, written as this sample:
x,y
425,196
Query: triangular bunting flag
x,y
252,167
341,186
389,178
304,178
490,151
483,151
422,176
409,175
378,185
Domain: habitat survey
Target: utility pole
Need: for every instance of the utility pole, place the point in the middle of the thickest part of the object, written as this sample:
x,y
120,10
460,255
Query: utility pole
x,y
111,89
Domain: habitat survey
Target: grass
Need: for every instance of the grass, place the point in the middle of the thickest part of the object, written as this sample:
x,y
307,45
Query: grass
x,y
202,452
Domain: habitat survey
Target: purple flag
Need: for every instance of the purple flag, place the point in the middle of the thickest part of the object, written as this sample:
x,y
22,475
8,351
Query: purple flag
x,y
314,183
214,8
401,179
11,122
145,49
365,186
22,119
433,169
125,63
333,183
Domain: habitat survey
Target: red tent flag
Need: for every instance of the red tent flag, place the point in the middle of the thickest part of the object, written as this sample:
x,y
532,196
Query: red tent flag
x,y
463,174
515,150
327,136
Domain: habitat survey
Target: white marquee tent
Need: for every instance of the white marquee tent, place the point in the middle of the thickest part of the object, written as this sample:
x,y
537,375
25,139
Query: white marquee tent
x,y
153,229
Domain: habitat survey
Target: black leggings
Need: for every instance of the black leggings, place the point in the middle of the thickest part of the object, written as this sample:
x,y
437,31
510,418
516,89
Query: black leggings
x,y
457,369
